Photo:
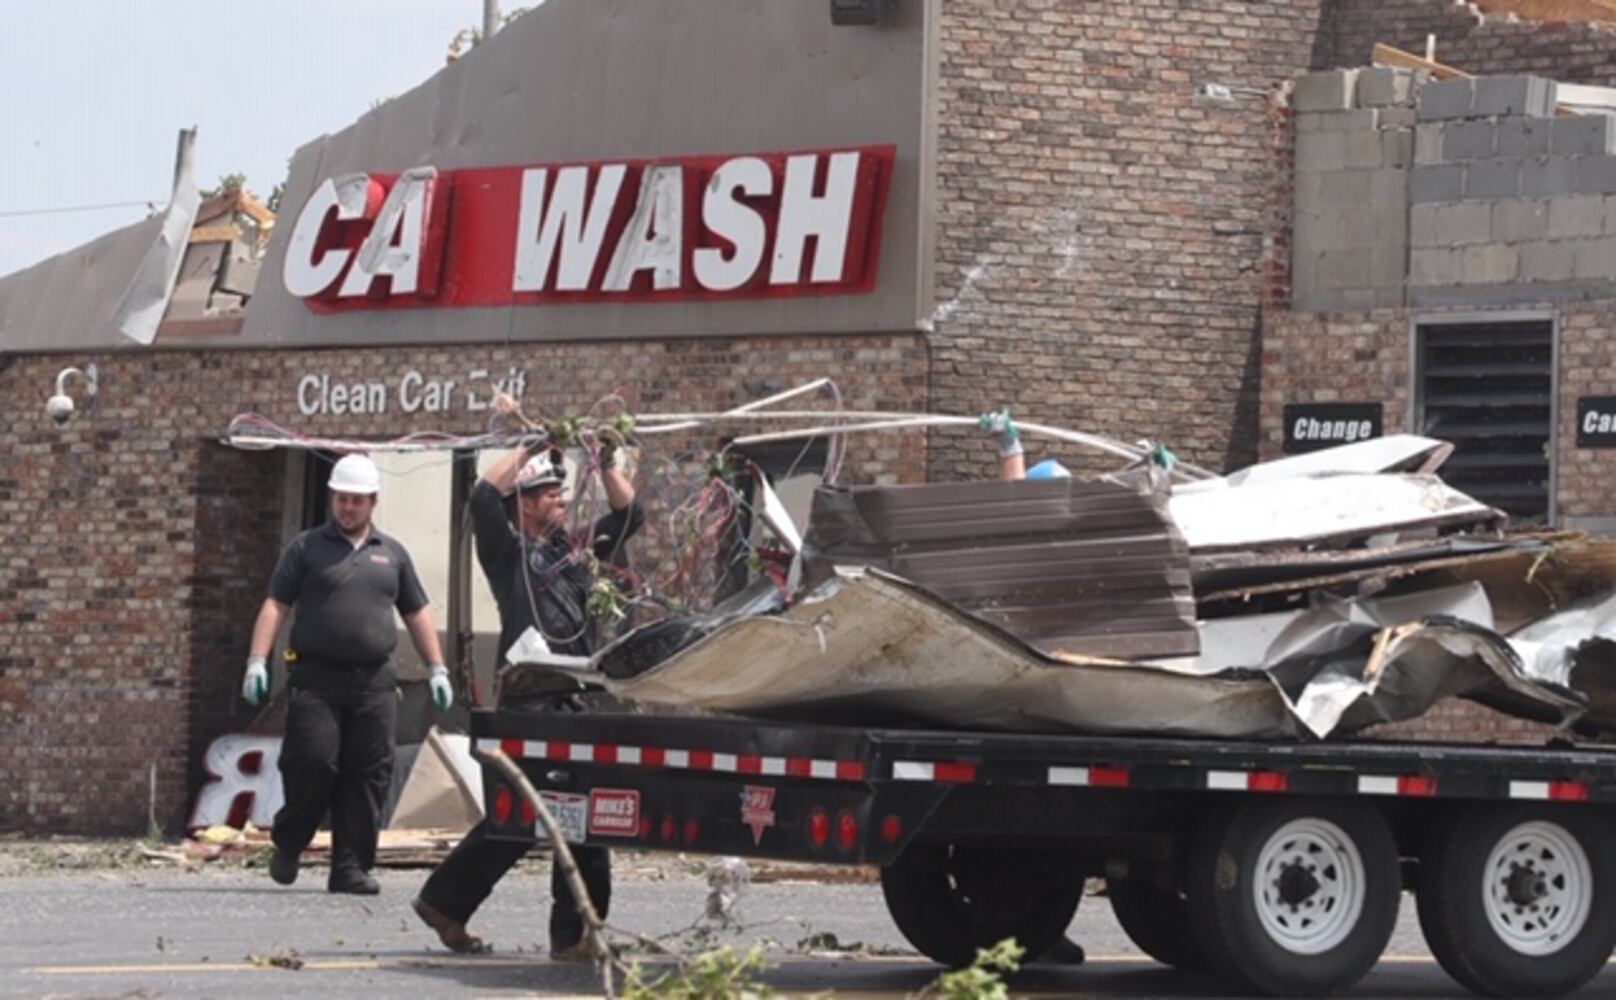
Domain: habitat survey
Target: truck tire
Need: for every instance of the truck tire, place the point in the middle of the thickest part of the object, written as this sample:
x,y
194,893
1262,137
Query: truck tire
x,y
1294,897
1158,921
1520,900
950,900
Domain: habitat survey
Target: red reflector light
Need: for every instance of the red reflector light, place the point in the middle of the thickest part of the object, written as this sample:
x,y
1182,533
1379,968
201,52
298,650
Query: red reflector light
x,y
891,829
670,829
645,828
692,831
1413,784
529,814
960,774
512,748
1568,791
1108,777
818,828
504,805
847,831
1266,781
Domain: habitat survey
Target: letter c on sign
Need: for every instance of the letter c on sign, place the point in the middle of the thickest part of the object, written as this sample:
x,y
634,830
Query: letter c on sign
x,y
352,198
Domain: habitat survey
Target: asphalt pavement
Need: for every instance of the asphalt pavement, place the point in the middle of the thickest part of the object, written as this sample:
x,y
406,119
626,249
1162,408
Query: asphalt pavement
x,y
228,931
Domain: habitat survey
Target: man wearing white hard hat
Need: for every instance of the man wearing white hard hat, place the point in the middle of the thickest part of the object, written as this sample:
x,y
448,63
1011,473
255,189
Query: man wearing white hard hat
x,y
541,580
345,578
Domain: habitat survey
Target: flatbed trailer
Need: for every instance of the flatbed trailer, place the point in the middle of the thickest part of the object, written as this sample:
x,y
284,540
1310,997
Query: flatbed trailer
x,y
1279,866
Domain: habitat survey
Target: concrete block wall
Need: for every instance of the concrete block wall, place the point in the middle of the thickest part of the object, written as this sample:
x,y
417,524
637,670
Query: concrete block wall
x,y
1354,152
1507,201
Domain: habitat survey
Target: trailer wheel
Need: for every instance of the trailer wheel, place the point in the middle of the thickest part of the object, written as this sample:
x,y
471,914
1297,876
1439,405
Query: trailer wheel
x,y
1294,898
949,900
1158,921
1518,901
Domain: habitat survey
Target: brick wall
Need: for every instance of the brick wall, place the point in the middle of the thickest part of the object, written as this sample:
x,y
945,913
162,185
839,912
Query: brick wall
x,y
1103,238
134,548
1322,358
1478,44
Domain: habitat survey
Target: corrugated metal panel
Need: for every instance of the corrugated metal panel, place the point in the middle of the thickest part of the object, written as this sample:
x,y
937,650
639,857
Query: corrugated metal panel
x,y
1092,568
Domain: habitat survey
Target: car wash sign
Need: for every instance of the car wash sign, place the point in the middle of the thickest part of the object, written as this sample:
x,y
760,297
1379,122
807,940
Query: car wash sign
x,y
715,227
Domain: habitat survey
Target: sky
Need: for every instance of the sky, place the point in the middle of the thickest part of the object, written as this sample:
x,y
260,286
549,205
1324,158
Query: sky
x,y
93,95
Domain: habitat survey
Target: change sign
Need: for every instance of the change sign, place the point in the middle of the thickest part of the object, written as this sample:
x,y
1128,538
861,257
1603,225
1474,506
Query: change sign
x,y
1314,426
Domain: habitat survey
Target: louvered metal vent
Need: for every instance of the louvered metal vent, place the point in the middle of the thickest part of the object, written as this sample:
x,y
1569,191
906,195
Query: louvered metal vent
x,y
1489,389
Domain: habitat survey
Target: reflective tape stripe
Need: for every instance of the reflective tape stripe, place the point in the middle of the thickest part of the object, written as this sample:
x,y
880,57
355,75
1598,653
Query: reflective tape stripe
x,y
905,770
1074,776
1529,789
1377,784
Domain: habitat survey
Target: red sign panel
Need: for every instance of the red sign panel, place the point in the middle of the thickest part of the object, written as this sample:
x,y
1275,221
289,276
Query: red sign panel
x,y
694,228
757,809
614,812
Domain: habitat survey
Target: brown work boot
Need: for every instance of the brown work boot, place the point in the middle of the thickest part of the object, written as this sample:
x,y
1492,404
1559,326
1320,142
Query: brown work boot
x,y
576,952
451,932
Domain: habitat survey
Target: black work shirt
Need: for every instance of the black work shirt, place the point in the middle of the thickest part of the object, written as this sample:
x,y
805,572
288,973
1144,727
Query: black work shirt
x,y
544,584
345,596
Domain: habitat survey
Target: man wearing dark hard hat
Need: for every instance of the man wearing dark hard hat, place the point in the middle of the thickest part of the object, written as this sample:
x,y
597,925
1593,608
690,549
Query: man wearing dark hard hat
x,y
542,581
345,578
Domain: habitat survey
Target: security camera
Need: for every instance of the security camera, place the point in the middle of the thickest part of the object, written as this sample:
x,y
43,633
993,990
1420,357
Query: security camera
x,y
59,408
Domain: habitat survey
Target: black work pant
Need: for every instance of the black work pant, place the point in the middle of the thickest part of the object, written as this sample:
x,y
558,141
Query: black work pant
x,y
337,755
467,876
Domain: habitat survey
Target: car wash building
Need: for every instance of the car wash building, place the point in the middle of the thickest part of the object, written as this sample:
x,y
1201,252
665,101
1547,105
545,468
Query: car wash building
x,y
1082,212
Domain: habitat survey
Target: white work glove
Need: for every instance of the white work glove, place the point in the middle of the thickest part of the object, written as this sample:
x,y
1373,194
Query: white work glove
x,y
255,683
442,691
999,422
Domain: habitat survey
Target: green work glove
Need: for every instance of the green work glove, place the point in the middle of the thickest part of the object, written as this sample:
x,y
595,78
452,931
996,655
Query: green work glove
x,y
999,422
1160,456
442,690
255,683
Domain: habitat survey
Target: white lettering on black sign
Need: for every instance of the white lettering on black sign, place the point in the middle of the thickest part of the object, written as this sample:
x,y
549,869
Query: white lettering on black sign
x,y
1313,426
1596,422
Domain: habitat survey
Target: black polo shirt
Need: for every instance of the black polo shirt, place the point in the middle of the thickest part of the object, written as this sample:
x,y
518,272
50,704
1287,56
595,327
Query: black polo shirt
x,y
345,596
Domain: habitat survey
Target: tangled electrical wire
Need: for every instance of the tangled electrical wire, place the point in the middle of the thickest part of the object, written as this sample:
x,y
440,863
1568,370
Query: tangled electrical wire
x,y
697,540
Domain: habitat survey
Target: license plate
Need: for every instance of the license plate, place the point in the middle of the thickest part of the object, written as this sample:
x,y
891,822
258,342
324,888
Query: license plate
x,y
571,813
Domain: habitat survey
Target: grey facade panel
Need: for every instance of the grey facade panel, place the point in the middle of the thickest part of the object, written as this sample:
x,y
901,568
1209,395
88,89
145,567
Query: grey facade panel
x,y
69,302
616,80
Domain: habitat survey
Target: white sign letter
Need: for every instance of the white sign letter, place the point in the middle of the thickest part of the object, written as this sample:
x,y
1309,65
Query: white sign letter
x,y
397,241
654,238
352,198
230,781
802,215
724,214
539,229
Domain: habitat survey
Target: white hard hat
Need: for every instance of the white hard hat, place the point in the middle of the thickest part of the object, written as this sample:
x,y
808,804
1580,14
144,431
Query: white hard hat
x,y
355,474
541,470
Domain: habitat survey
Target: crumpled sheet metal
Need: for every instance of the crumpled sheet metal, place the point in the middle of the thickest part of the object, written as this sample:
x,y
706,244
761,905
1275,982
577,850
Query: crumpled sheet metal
x,y
1294,512
867,648
1393,453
